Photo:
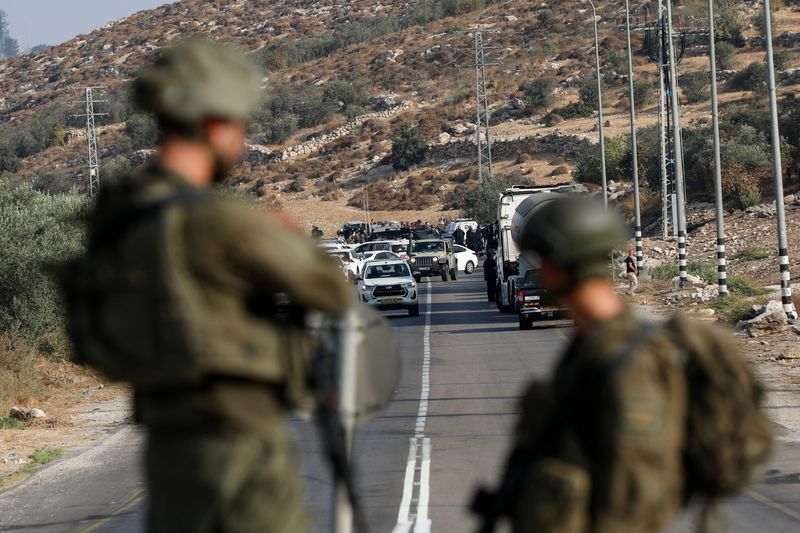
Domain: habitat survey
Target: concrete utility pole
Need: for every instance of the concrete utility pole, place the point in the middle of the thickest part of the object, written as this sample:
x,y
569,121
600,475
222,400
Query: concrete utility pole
x,y
676,127
662,129
637,212
91,138
722,275
777,172
599,106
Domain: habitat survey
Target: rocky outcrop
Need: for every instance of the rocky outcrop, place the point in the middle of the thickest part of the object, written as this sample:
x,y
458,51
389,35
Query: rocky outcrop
x,y
770,318
261,155
559,143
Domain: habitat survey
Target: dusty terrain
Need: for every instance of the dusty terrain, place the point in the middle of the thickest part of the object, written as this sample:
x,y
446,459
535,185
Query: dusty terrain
x,y
80,408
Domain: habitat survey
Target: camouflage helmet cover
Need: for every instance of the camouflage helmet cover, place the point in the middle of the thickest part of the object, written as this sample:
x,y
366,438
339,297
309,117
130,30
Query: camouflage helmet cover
x,y
197,80
575,233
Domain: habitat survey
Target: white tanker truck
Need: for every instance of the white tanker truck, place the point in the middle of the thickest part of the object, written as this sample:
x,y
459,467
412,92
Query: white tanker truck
x,y
516,204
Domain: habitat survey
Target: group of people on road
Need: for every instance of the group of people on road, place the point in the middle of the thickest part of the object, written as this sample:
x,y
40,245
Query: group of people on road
x,y
187,284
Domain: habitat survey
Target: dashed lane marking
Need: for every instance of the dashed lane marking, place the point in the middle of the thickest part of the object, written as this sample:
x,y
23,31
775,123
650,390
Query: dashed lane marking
x,y
416,485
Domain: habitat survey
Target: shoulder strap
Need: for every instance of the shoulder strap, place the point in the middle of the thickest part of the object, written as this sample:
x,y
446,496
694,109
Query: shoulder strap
x,y
643,334
137,215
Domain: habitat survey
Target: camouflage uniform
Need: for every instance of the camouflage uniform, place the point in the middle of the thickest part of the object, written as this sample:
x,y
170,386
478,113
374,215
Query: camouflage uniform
x,y
616,465
218,458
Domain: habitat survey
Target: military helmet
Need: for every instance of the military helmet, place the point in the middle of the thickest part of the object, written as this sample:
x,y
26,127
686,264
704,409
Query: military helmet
x,y
197,80
575,233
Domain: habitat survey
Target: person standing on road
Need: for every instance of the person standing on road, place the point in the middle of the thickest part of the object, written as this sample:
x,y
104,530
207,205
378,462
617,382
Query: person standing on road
x,y
192,296
458,236
632,272
472,239
490,275
638,418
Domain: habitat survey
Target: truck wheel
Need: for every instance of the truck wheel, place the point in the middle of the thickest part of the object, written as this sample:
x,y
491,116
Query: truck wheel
x,y
444,274
470,268
413,310
453,273
524,323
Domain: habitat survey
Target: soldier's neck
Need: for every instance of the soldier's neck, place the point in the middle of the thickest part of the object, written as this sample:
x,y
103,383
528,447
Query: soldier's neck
x,y
594,302
188,159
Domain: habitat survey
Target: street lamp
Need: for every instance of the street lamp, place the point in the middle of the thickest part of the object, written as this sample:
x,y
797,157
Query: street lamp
x,y
722,276
599,105
783,246
637,213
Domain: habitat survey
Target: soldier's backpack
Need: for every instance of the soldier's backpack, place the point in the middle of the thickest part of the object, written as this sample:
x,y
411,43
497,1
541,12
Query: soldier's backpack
x,y
728,436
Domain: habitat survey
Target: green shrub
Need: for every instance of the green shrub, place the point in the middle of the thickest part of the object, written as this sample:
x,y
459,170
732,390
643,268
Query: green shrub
x,y
752,78
142,131
545,18
617,60
779,58
735,307
587,92
408,147
729,23
724,55
759,20
642,92
588,168
695,86
751,253
479,201
575,110
538,93
36,231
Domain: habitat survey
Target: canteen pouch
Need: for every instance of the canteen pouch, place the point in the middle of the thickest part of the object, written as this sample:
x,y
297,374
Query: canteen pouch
x,y
554,499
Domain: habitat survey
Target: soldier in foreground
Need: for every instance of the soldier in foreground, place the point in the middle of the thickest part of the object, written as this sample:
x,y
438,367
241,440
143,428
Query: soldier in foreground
x,y
179,295
639,417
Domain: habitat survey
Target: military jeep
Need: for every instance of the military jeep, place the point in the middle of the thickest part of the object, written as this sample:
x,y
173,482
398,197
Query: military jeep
x,y
432,257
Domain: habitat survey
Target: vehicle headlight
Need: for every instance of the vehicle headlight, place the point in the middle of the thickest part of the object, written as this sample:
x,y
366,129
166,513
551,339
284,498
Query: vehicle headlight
x,y
412,260
409,285
366,288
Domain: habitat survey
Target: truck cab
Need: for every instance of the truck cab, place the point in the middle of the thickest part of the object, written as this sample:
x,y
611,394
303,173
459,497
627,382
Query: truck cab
x,y
534,302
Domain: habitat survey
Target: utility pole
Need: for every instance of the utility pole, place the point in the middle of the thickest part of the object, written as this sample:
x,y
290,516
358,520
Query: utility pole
x,y
482,128
637,212
483,138
91,137
676,127
777,172
600,106
722,275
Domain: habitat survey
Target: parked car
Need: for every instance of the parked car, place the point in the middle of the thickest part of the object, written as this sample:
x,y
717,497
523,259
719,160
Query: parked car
x,y
352,262
389,285
379,255
432,258
372,246
535,303
466,258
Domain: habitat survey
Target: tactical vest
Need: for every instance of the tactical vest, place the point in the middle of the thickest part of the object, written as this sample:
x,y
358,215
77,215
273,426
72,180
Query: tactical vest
x,y
139,313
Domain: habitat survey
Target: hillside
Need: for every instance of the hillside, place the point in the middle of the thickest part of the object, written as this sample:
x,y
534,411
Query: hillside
x,y
342,77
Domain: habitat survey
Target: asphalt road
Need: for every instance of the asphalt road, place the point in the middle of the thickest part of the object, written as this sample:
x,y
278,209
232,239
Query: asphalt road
x,y
419,463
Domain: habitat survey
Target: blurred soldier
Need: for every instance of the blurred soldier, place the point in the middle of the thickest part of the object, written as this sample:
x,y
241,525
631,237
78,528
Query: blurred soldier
x,y
200,278
621,439
490,275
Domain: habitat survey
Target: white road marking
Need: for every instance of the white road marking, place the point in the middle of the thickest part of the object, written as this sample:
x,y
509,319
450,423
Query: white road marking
x,y
419,445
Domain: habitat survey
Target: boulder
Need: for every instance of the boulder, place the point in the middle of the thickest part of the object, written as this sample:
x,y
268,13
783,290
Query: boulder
x,y
458,129
18,413
444,138
771,319
37,413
